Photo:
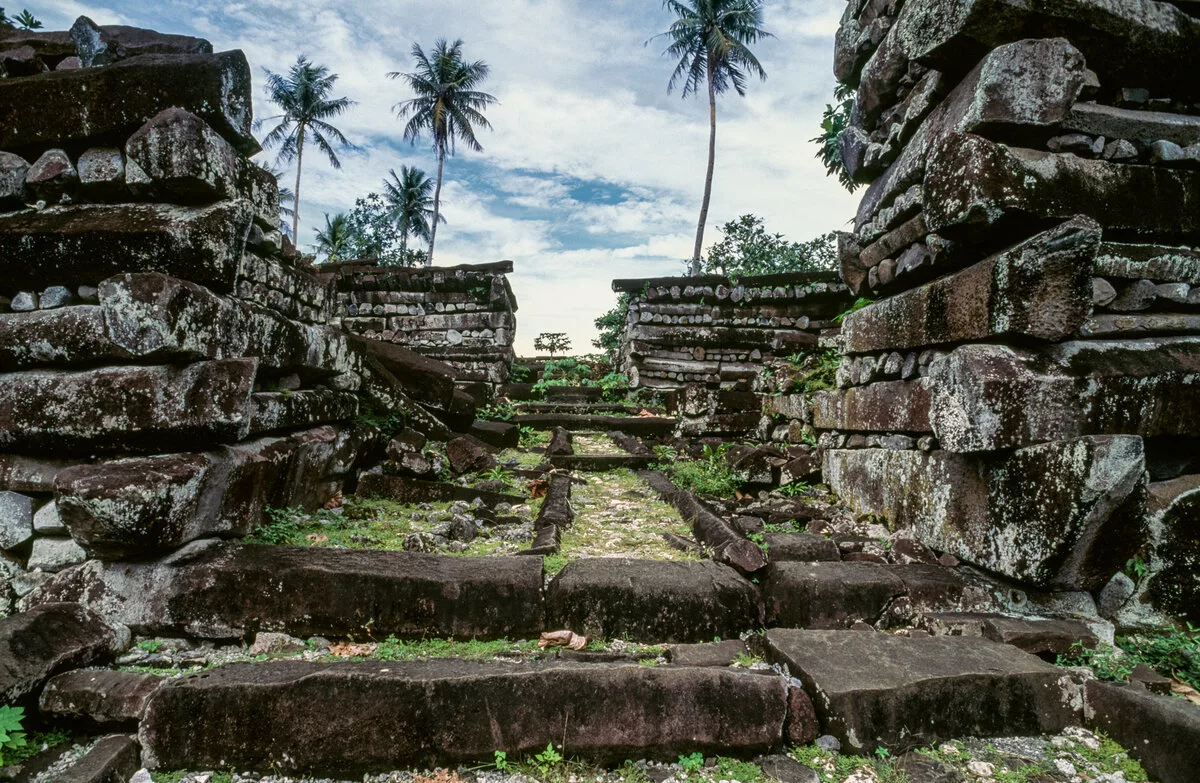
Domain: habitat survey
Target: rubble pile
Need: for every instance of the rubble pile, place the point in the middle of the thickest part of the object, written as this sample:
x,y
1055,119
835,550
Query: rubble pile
x,y
167,371
463,315
1025,391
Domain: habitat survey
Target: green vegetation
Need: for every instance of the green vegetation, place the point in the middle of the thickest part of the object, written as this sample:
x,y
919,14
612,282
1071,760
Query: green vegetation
x,y
393,649
389,421
531,438
1171,652
794,489
813,371
12,737
746,660
24,20
859,304
447,107
833,121
611,325
175,777
619,515
692,762
552,342
553,564
747,249
735,769
709,475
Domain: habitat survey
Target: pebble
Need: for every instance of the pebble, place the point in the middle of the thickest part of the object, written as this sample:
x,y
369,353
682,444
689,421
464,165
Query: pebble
x,y
981,768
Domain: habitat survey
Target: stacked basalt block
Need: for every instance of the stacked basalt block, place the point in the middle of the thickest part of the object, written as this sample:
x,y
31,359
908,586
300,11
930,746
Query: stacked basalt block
x,y
166,371
713,337
462,315
1025,390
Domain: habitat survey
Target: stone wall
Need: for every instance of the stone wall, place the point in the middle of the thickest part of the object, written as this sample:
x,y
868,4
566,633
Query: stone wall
x,y
1025,393
166,370
713,338
461,315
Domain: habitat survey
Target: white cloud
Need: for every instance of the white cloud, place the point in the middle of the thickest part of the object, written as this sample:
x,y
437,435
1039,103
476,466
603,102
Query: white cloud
x,y
583,101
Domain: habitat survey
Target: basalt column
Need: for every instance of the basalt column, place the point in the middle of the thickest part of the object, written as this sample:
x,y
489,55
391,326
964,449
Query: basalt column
x,y
1025,389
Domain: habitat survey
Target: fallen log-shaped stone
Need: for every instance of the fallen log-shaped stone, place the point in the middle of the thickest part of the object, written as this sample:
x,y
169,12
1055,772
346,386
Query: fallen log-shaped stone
x,y
728,545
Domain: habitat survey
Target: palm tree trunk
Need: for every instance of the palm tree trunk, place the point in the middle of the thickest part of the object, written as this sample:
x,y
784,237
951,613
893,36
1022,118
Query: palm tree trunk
x,y
296,199
708,178
437,206
404,245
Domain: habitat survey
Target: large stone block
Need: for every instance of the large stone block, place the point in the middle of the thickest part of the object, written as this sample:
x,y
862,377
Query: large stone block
x,y
1040,289
99,697
353,718
972,183
652,601
126,408
75,107
1149,262
1064,514
186,160
1162,732
991,397
65,335
48,639
1024,85
876,690
1175,560
305,408
220,590
887,406
84,244
16,519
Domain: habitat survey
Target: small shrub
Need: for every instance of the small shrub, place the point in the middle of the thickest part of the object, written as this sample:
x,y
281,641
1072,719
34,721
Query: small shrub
x,y
709,475
1173,653
692,762
281,527
547,760
12,737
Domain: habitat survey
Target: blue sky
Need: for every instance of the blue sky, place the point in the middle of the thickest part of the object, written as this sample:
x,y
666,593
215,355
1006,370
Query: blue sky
x,y
592,171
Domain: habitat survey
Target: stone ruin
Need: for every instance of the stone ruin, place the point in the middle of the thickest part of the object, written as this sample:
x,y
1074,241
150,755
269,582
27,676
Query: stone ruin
x,y
463,316
1025,390
1017,403
711,339
166,370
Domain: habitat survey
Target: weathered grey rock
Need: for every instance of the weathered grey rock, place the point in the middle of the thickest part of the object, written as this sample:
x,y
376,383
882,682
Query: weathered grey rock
x,y
1027,83
24,302
187,161
46,521
706,709
1174,515
1161,732
111,760
1040,288
67,335
648,600
206,402
52,176
92,47
48,639
987,397
114,101
105,698
16,519
224,590
802,547
971,183
20,473
54,554
54,296
307,408
1166,152
1103,292
873,689
102,174
13,169
1114,595
1115,123
1066,513
886,406
1139,295
721,653
84,244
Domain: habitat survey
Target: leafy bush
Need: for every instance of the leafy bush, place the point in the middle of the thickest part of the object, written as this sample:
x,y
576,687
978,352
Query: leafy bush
x,y
1174,653
611,325
815,370
747,249
12,737
282,527
614,386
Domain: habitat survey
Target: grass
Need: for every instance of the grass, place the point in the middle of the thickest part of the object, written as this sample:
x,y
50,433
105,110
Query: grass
x,y
393,649
813,371
618,515
709,475
367,524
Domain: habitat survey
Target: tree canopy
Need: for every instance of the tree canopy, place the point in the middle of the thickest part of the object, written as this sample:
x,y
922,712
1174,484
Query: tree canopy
x,y
748,249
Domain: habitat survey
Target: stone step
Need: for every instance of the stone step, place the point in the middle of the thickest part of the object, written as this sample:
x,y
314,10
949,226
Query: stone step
x,y
358,717
222,590
409,490
602,462
576,407
875,690
645,426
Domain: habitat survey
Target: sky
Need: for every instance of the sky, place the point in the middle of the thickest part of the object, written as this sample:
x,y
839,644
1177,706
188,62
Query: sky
x,y
592,170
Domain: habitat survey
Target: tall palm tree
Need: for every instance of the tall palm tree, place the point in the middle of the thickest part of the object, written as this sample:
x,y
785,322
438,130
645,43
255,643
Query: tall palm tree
x,y
410,201
303,96
448,106
711,38
334,239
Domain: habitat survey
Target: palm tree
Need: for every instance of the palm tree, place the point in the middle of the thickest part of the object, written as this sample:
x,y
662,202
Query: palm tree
x,y
447,106
303,95
711,39
410,201
335,237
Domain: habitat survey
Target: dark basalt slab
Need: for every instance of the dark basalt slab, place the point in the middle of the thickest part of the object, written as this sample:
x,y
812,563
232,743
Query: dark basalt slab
x,y
48,639
353,718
